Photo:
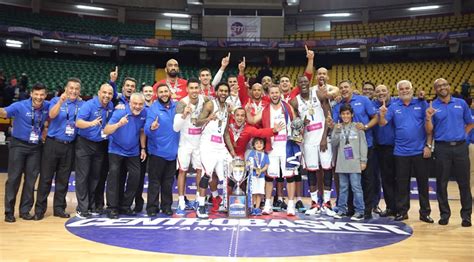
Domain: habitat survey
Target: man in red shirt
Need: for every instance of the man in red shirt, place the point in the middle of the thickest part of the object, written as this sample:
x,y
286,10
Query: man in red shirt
x,y
176,85
253,102
240,133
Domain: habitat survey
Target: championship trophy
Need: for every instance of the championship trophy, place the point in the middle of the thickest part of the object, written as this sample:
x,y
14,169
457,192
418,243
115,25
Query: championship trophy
x,y
297,126
237,200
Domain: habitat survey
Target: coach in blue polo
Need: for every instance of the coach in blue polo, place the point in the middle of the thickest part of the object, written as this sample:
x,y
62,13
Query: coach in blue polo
x,y
384,139
91,147
58,150
449,119
162,150
408,116
365,118
24,150
126,148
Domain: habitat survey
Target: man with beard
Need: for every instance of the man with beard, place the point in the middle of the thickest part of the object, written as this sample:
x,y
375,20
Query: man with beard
x,y
25,150
187,113
126,149
176,85
205,76
58,154
408,115
275,113
162,150
253,102
214,139
384,138
233,100
91,148
449,118
312,106
365,118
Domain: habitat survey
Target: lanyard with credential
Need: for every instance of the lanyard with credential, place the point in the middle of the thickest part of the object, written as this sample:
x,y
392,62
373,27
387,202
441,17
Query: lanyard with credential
x,y
67,113
33,123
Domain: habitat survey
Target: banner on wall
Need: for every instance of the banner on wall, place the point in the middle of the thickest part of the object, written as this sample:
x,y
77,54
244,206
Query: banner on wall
x,y
243,28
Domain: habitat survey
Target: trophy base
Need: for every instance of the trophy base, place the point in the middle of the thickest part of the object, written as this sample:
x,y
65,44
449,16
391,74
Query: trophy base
x,y
237,206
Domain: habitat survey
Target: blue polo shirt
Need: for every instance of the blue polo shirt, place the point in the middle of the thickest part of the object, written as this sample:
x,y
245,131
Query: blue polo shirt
x,y
409,122
363,111
67,116
125,141
89,111
450,119
27,119
384,135
470,136
162,142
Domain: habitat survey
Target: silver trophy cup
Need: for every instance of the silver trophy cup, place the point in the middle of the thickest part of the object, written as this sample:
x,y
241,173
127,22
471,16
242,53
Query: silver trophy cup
x,y
297,126
238,175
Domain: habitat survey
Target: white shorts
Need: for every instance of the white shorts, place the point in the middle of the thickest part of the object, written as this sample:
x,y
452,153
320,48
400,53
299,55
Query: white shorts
x,y
186,155
313,157
216,161
258,185
277,163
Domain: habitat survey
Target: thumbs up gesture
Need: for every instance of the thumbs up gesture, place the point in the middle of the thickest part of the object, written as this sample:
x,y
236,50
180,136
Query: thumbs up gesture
x,y
155,124
383,109
309,53
114,75
430,111
123,121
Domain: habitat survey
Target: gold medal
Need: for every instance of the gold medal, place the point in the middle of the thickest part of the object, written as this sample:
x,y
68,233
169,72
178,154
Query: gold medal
x,y
311,111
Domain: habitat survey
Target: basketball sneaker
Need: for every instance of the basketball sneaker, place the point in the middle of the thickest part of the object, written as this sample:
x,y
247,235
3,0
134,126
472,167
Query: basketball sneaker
x,y
180,211
339,215
326,208
267,210
291,211
357,217
201,212
190,205
299,206
314,210
257,211
216,201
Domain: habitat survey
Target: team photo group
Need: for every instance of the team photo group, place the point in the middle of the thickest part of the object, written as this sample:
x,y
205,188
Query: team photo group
x,y
367,144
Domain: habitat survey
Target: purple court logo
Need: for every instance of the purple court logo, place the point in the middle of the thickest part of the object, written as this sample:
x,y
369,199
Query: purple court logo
x,y
237,28
266,236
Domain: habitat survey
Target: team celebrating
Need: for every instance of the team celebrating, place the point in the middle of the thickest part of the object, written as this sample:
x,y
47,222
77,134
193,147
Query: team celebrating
x,y
363,142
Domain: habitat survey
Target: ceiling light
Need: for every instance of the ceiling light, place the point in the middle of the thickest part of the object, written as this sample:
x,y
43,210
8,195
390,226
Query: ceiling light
x,y
337,15
14,42
422,8
47,40
92,8
293,2
14,45
176,15
56,51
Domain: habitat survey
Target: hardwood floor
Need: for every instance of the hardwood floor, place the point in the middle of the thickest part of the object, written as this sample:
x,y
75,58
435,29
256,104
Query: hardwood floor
x,y
48,240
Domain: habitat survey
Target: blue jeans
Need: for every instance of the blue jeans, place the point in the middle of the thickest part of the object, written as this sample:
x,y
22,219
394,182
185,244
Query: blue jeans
x,y
356,190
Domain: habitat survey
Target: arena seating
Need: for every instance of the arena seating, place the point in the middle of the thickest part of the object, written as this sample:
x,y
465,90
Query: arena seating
x,y
53,72
403,26
419,25
421,74
70,23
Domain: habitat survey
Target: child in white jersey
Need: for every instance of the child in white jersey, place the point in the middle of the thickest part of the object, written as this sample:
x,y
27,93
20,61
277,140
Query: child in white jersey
x,y
258,162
